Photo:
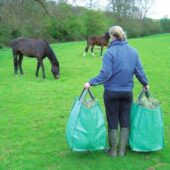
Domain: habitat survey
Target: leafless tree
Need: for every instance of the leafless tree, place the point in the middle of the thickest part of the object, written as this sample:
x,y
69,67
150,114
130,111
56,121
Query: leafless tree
x,y
134,8
18,3
43,5
121,7
62,1
144,7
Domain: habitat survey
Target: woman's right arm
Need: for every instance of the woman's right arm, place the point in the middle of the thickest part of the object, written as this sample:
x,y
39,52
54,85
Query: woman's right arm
x,y
140,74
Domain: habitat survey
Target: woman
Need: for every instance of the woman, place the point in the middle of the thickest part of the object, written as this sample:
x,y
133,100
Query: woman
x,y
120,63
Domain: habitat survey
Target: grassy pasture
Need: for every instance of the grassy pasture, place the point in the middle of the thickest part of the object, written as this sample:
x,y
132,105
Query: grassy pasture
x,y
34,112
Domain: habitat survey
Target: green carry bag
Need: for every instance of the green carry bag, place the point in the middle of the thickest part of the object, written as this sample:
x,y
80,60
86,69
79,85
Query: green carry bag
x,y
85,129
146,132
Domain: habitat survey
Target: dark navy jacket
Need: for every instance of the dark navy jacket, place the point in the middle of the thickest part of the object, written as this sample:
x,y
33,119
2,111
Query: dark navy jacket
x,y
120,63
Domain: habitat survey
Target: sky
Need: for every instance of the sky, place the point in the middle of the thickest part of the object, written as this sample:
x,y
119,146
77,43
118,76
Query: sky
x,y
160,9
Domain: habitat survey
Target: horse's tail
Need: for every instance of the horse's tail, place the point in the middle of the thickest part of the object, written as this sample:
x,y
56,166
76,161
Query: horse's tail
x,y
88,40
10,43
14,42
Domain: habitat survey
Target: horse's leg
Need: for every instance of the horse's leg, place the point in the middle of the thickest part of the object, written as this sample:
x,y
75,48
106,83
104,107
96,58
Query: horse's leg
x,y
92,47
20,63
38,67
101,51
15,62
86,50
43,69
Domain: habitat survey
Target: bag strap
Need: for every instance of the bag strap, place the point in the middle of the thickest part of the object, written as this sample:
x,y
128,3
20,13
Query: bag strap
x,y
144,92
84,93
91,94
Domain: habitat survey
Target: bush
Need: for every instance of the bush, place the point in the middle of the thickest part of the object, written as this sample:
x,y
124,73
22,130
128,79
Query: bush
x,y
165,25
68,23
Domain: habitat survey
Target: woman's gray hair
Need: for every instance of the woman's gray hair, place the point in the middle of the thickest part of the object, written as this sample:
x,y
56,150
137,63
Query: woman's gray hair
x,y
117,32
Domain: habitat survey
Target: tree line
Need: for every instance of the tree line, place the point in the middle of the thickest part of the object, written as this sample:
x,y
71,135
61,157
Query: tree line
x,y
63,20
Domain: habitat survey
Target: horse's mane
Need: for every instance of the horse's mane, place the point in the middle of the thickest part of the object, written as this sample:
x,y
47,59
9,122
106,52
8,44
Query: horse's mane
x,y
51,52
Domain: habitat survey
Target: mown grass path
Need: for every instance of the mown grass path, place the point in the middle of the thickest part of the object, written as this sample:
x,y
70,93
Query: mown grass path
x,y
34,112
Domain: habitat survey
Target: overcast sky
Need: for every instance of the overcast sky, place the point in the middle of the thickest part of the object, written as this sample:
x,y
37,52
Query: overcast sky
x,y
160,9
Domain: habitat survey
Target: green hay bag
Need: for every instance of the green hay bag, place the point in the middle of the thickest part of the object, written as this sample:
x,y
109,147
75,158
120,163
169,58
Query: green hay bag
x,y
85,129
146,133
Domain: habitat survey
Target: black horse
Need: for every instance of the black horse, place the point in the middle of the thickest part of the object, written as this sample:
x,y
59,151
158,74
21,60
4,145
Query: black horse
x,y
97,40
34,48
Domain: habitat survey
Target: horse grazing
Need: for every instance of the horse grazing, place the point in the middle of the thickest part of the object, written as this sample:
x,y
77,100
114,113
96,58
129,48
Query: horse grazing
x,y
97,40
34,48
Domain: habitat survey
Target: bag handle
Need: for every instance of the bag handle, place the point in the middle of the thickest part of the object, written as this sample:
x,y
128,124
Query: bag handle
x,y
144,92
84,93
91,94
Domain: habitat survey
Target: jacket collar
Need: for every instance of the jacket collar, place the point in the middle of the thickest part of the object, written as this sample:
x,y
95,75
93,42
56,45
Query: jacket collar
x,y
117,42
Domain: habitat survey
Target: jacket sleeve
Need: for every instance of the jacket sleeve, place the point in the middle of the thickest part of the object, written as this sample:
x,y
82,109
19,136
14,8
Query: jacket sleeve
x,y
106,71
139,72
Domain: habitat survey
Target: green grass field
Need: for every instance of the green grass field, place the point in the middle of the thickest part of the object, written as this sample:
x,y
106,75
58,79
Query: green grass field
x,y
34,112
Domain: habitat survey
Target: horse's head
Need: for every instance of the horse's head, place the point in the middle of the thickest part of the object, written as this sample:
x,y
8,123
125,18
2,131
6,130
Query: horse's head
x,y
107,36
56,70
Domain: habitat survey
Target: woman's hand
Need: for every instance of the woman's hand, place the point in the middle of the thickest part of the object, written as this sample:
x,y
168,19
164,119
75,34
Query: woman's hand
x,y
87,85
146,87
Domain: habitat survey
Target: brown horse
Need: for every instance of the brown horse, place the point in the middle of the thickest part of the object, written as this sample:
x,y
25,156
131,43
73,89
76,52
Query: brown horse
x,y
97,40
34,48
